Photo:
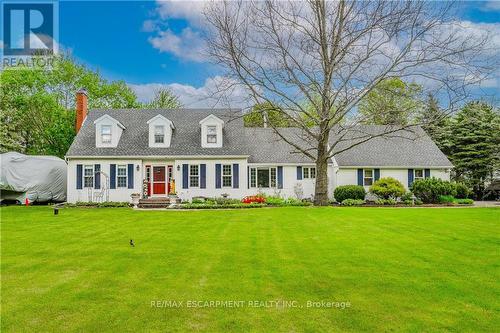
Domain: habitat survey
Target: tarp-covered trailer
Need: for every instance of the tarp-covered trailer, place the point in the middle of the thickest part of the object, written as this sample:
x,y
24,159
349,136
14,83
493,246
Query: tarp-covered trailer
x,y
38,178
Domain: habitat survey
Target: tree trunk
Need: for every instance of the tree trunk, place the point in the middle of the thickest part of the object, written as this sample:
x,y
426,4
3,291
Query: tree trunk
x,y
321,187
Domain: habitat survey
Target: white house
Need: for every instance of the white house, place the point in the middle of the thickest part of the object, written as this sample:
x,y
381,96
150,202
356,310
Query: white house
x,y
209,153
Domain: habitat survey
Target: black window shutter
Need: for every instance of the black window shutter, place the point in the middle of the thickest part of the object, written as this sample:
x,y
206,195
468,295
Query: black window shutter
x,y
185,176
410,177
130,176
112,176
427,173
236,175
280,177
79,176
97,176
377,174
299,173
217,175
360,177
203,176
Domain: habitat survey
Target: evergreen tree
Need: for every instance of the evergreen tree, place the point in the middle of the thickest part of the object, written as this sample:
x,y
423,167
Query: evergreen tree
x,y
435,122
474,143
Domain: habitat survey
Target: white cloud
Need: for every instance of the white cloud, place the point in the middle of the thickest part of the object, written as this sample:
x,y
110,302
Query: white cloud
x,y
206,96
191,11
188,45
149,26
491,6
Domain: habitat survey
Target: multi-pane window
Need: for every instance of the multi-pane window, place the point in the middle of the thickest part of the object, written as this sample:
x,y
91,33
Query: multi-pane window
x,y
88,176
159,134
263,177
419,174
194,175
106,133
253,177
226,175
211,134
308,172
368,177
272,179
121,175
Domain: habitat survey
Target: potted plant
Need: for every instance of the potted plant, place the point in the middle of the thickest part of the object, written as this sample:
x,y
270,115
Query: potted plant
x,y
135,199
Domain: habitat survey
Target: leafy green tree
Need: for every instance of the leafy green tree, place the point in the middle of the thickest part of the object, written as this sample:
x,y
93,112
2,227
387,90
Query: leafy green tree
x,y
473,144
391,102
164,99
37,107
275,118
435,122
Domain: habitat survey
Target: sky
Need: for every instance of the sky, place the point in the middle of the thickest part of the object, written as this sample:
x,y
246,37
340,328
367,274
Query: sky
x,y
152,44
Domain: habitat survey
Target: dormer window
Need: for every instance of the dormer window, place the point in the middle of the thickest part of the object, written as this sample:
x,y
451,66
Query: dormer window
x,y
106,133
160,131
159,134
211,134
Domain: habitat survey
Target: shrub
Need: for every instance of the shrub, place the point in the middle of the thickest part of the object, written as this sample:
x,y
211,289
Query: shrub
x,y
106,204
418,202
464,201
463,191
352,202
408,202
355,192
386,202
275,201
408,196
428,190
446,199
387,188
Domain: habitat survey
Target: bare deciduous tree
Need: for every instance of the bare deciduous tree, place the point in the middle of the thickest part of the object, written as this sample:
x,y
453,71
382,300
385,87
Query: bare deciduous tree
x,y
318,59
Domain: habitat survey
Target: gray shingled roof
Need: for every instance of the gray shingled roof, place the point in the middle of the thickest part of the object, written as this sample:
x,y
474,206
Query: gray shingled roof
x,y
262,145
186,138
406,148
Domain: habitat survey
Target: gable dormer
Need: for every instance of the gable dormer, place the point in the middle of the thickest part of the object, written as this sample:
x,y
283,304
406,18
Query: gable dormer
x,y
160,131
108,131
211,132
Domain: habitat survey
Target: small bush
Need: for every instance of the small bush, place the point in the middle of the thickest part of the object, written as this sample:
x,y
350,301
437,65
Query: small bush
x,y
428,190
353,202
446,199
408,202
106,204
418,202
408,196
275,201
386,202
355,192
387,188
464,201
463,191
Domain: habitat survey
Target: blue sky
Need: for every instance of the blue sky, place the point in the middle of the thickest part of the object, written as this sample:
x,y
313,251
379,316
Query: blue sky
x,y
148,44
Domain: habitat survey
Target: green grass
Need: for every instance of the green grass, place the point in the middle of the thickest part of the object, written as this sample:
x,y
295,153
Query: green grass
x,y
400,269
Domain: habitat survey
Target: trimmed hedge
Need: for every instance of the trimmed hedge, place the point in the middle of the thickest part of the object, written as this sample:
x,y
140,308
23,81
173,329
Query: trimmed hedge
x,y
107,204
353,202
224,206
386,202
387,188
430,189
355,192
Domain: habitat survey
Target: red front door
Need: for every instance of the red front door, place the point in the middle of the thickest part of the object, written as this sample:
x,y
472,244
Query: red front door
x,y
159,181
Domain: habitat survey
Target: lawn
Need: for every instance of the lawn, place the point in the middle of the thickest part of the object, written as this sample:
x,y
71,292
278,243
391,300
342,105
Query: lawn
x,y
394,269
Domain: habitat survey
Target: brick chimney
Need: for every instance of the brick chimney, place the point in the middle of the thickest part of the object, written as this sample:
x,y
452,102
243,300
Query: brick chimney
x,y
81,108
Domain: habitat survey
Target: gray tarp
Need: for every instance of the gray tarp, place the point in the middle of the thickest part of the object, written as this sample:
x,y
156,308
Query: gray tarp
x,y
39,178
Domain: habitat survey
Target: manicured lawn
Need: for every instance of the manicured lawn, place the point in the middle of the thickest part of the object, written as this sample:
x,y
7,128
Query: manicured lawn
x,y
400,269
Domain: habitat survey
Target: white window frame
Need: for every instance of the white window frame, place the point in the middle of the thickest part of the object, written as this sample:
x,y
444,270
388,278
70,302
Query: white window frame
x,y
227,175
106,135
212,135
307,172
273,177
91,176
157,135
415,174
118,176
193,176
372,178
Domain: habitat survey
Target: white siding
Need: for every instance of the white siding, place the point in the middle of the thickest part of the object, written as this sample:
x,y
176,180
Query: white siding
x,y
118,194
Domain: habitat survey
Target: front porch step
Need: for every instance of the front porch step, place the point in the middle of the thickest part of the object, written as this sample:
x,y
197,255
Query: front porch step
x,y
160,202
